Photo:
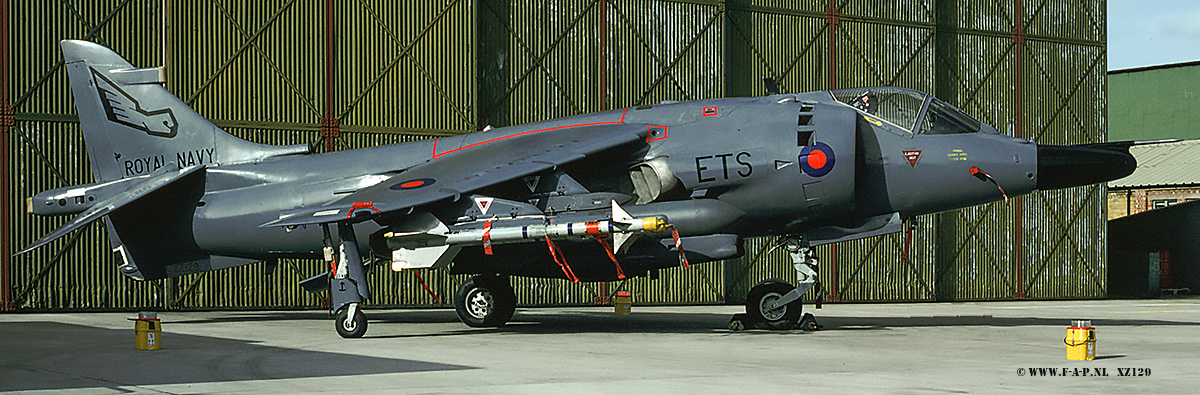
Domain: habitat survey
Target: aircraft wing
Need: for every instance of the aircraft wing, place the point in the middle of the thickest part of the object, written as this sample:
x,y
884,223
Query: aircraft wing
x,y
467,169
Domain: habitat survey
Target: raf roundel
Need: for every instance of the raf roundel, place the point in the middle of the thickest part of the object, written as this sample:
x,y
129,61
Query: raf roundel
x,y
816,160
413,184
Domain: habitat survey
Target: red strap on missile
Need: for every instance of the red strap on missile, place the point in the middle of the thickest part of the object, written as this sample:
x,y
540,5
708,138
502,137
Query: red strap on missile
x,y
556,253
487,238
436,299
679,247
609,251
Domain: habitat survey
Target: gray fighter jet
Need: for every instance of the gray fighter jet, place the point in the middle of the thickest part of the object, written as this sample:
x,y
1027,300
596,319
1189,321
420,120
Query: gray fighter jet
x,y
595,197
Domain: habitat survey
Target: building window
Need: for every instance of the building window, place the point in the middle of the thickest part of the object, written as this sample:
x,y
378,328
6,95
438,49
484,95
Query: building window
x,y
1164,203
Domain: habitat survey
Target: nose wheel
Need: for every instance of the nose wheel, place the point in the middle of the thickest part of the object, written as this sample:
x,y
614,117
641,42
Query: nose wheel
x,y
485,301
762,306
774,304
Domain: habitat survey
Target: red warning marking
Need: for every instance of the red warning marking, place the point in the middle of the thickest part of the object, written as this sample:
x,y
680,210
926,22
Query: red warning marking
x,y
613,257
593,228
912,156
562,263
412,184
816,159
679,247
358,205
710,111
656,132
436,154
487,238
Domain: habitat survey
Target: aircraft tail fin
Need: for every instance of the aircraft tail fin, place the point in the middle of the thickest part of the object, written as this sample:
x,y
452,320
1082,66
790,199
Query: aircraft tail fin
x,y
133,126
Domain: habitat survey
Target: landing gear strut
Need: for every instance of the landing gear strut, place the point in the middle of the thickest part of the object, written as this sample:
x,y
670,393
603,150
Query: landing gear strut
x,y
348,286
485,301
774,304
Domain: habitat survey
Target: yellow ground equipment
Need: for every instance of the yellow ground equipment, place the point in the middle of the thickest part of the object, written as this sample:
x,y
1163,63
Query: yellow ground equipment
x,y
622,303
148,330
1081,341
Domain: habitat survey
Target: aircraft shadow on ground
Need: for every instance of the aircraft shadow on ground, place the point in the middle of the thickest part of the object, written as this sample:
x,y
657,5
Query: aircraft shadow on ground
x,y
534,321
57,356
668,322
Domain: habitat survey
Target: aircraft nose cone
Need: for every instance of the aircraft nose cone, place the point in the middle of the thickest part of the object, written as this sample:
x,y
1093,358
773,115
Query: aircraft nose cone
x,y
1064,166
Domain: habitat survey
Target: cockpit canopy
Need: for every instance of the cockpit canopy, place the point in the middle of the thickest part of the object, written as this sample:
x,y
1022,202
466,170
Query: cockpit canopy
x,y
910,110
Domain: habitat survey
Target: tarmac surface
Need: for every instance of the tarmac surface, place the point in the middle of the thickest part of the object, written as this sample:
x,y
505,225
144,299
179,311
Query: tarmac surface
x,y
1142,346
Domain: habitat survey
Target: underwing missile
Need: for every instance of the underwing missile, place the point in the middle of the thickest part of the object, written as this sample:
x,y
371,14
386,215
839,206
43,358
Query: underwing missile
x,y
436,245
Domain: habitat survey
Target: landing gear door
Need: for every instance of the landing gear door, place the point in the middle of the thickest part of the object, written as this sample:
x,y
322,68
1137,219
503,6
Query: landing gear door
x,y
828,160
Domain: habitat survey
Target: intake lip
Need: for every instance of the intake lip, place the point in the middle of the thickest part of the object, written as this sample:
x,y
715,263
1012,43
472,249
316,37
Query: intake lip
x,y
1065,166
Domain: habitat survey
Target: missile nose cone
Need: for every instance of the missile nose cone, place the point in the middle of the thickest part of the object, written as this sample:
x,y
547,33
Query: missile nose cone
x,y
1064,166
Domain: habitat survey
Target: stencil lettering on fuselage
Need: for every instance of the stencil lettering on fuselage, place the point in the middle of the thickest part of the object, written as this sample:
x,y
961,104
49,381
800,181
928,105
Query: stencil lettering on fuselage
x,y
714,167
147,165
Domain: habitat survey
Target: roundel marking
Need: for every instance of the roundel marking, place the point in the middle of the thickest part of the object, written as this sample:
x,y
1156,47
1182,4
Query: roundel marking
x,y
413,184
817,160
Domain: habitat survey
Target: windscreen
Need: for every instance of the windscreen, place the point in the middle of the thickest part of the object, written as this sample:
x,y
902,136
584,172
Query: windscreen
x,y
897,106
942,118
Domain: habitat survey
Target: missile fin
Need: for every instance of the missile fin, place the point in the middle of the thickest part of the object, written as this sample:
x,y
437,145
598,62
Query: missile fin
x,y
620,216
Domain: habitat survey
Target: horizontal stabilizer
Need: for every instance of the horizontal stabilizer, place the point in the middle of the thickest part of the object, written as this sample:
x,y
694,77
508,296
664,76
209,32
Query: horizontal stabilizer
x,y
136,191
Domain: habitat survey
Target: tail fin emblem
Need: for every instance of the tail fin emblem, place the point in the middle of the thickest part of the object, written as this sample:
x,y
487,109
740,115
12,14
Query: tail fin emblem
x,y
122,108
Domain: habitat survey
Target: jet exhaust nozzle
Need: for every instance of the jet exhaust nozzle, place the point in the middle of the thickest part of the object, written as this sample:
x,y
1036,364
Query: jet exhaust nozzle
x,y
1065,166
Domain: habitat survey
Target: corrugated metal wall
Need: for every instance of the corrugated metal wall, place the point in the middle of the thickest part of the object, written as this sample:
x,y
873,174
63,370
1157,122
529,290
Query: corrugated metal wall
x,y
402,73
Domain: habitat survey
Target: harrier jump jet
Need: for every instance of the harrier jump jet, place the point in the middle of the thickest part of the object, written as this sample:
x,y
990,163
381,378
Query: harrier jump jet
x,y
595,197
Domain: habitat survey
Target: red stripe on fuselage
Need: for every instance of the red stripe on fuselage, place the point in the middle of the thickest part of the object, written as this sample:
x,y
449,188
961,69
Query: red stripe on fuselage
x,y
436,154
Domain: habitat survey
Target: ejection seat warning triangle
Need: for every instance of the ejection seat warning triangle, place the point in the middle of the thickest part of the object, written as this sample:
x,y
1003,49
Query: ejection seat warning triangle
x,y
912,156
483,204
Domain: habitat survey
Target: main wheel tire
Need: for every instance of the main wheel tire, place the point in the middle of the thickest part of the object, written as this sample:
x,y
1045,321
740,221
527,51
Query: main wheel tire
x,y
350,327
759,300
485,301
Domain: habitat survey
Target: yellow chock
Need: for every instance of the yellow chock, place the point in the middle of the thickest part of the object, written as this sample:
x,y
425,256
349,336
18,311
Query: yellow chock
x,y
622,303
1081,341
148,330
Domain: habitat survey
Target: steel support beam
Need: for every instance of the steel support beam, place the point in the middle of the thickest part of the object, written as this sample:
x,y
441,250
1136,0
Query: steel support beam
x,y
1019,131
603,69
329,123
739,57
494,62
832,19
946,66
7,120
739,80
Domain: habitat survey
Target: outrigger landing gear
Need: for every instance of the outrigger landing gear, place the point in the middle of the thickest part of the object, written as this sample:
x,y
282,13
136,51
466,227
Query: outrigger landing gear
x,y
348,285
774,304
485,301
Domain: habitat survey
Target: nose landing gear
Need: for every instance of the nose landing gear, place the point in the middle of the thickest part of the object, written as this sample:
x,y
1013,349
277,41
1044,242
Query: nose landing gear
x,y
775,304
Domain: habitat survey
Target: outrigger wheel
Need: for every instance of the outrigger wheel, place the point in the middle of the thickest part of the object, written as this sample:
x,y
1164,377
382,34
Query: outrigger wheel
x,y
485,301
760,299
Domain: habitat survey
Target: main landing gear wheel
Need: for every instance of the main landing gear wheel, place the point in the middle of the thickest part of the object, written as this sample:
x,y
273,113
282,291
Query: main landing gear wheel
x,y
485,301
758,306
350,327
